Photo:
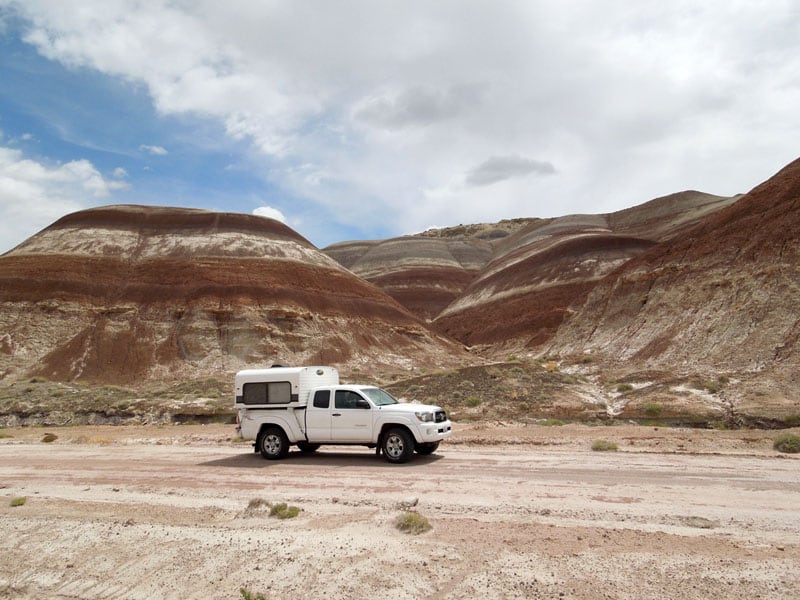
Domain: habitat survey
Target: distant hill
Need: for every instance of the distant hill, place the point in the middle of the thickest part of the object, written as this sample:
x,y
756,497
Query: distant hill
x,y
125,294
724,295
511,284
683,284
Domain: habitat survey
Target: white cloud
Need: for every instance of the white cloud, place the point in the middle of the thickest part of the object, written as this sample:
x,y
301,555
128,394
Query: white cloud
x,y
33,195
270,213
380,113
154,150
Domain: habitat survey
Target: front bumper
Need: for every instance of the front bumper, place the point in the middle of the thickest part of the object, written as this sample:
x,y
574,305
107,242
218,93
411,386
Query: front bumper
x,y
435,432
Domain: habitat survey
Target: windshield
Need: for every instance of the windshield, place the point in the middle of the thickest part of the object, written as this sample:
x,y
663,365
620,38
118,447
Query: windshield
x,y
379,397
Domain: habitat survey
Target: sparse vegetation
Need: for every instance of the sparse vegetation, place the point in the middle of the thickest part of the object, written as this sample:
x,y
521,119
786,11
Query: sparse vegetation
x,y
551,422
284,511
248,595
280,510
472,402
790,421
47,438
622,388
652,409
257,504
710,386
604,446
787,442
412,522
18,501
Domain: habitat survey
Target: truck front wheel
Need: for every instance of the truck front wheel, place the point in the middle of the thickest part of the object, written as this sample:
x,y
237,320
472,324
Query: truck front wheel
x,y
398,445
427,447
273,444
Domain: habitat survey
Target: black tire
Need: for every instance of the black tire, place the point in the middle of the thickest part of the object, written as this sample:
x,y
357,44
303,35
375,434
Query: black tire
x,y
427,448
273,444
307,447
397,445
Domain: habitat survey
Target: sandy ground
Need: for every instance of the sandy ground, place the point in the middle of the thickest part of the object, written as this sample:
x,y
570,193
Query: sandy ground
x,y
517,512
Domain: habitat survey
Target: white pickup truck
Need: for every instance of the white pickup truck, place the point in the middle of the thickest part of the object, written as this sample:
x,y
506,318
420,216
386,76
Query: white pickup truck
x,y
308,407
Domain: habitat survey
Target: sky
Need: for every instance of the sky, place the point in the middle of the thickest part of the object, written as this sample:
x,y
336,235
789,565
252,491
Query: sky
x,y
377,118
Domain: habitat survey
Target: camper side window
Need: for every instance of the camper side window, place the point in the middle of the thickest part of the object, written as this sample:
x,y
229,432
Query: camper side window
x,y
267,393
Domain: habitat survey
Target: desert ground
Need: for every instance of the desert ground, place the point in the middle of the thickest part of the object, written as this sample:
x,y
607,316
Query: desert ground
x,y
516,512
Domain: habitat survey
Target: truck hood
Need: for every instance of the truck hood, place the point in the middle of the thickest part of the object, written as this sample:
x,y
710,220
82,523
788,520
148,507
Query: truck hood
x,y
409,408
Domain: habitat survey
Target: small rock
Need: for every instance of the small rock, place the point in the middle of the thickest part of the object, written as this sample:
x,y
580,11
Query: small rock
x,y
407,503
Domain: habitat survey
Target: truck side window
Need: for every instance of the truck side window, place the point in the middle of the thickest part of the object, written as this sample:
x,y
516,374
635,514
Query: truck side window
x,y
267,393
322,399
346,399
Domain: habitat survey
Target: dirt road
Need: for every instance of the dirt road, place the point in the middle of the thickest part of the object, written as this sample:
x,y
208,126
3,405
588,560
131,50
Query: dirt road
x,y
162,513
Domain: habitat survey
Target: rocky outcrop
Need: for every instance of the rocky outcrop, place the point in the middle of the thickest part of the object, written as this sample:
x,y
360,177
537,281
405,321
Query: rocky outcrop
x,y
128,293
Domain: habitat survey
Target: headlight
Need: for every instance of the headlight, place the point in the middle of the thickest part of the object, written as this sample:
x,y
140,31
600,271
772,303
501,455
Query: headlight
x,y
425,417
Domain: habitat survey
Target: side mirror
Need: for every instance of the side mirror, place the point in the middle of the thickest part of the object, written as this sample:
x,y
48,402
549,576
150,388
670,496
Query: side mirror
x,y
361,403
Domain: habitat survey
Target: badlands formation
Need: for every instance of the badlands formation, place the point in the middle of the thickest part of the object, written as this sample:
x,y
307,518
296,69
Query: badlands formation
x,y
689,297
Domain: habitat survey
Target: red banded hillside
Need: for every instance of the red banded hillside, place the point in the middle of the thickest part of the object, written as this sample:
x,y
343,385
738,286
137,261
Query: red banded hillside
x,y
723,295
129,293
544,271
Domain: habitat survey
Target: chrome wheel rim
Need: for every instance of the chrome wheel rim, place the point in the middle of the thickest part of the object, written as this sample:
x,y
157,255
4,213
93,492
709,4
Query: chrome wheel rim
x,y
394,446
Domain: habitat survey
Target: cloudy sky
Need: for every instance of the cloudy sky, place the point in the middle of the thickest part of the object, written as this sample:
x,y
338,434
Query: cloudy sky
x,y
369,119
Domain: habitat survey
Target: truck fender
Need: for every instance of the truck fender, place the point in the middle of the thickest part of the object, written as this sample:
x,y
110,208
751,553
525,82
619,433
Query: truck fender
x,y
389,425
285,424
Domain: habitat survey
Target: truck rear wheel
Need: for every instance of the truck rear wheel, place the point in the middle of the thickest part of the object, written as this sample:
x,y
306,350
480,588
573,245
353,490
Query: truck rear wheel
x,y
398,445
273,444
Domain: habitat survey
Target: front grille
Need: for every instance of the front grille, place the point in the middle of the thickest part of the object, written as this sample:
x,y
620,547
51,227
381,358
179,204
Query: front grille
x,y
440,416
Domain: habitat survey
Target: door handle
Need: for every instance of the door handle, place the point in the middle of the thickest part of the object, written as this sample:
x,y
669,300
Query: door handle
x,y
336,415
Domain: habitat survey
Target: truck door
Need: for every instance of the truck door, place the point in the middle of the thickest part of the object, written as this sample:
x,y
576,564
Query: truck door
x,y
351,418
318,417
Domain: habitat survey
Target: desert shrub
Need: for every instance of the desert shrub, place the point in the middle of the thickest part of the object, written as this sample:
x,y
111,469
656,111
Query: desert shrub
x,y
604,446
624,387
248,595
712,387
551,422
283,511
512,358
412,522
787,442
258,503
18,501
652,409
792,420
49,437
472,401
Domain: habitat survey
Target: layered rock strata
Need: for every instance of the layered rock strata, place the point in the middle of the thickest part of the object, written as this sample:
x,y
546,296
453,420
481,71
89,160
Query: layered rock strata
x,y
128,293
